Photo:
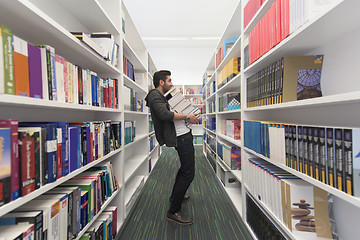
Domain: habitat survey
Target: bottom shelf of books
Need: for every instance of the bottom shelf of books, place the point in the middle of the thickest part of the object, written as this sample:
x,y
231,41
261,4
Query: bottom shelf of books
x,y
76,208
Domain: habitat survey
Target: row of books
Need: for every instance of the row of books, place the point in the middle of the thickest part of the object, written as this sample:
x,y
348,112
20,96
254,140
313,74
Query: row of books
x,y
211,89
211,141
197,140
231,69
128,68
131,100
152,140
303,208
212,107
151,125
130,131
231,155
211,123
39,72
231,128
194,91
103,43
196,101
105,226
290,78
327,154
224,50
261,226
211,157
250,9
283,18
229,101
36,153
64,211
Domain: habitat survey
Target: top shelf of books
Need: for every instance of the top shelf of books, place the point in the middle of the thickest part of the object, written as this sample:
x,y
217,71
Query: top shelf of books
x,y
36,27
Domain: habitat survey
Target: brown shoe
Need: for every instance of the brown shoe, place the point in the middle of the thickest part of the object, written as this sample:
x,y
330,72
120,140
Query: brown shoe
x,y
179,218
186,198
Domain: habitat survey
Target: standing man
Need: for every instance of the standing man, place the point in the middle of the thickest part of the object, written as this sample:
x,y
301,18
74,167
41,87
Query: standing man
x,y
170,129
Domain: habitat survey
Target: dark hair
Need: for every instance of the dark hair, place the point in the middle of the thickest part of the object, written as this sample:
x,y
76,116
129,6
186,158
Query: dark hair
x,y
160,75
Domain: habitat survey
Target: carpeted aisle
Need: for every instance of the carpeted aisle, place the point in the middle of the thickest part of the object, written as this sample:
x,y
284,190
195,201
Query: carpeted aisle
x,y
215,217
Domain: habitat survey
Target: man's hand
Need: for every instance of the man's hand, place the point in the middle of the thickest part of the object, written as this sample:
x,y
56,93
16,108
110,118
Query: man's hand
x,y
193,118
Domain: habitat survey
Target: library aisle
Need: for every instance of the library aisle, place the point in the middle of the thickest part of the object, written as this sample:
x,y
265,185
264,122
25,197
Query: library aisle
x,y
215,216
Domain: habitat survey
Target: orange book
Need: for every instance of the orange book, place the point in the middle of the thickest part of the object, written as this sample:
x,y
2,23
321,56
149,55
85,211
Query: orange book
x,y
21,67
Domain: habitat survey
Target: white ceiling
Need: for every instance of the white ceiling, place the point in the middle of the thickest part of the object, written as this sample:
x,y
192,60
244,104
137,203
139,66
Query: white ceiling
x,y
181,36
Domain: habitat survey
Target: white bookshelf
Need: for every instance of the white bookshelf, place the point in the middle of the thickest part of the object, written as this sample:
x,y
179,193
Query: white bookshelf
x,y
334,32
42,22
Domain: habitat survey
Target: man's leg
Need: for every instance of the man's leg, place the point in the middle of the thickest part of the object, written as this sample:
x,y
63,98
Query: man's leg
x,y
186,172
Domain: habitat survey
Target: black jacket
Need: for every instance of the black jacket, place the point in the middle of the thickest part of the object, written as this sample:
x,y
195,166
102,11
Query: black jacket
x,y
162,118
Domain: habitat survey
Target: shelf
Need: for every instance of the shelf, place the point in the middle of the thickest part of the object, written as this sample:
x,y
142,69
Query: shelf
x,y
229,139
236,198
132,188
151,133
193,95
137,139
234,52
100,23
134,59
340,194
214,113
106,203
211,96
208,147
132,165
270,215
258,15
237,174
231,85
28,102
229,112
134,85
137,113
22,200
40,29
212,78
151,152
150,76
210,131
314,34
337,99
197,144
250,231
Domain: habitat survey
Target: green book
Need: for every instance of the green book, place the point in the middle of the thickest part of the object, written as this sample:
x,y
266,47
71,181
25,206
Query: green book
x,y
6,61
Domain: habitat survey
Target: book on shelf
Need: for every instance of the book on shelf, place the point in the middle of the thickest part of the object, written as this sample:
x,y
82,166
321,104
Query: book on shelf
x,y
12,124
107,42
35,72
7,84
90,42
21,67
291,78
51,215
31,217
113,211
5,173
229,101
228,45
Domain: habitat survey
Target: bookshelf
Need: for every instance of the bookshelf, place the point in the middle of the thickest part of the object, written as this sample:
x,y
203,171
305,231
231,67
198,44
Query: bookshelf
x,y
334,109
41,22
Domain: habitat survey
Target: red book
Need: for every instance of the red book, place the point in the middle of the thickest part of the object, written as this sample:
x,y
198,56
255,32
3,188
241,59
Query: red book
x,y
278,21
114,93
27,163
106,93
59,153
66,78
285,19
15,171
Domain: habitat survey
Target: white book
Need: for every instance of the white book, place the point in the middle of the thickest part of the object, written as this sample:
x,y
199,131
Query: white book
x,y
76,84
63,197
88,75
22,231
90,42
175,99
45,83
70,82
51,215
59,69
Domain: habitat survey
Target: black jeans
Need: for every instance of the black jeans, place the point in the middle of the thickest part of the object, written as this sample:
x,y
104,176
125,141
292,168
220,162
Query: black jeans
x,y
186,173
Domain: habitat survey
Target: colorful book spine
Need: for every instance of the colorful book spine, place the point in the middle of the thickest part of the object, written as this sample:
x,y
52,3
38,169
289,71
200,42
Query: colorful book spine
x,y
35,72
6,61
21,67
5,165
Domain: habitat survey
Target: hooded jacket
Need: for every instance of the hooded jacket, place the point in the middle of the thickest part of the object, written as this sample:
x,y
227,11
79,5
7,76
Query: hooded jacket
x,y
162,118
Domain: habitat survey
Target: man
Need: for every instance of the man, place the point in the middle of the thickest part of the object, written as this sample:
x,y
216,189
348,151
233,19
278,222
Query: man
x,y
170,129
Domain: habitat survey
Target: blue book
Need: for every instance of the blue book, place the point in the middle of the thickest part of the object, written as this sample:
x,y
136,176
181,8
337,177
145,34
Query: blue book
x,y
74,142
51,147
65,146
5,165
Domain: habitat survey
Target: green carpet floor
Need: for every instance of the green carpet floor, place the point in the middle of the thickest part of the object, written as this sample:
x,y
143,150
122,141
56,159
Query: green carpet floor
x,y
215,216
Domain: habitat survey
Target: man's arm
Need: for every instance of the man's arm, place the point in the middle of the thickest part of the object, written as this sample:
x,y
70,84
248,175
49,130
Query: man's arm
x,y
192,117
